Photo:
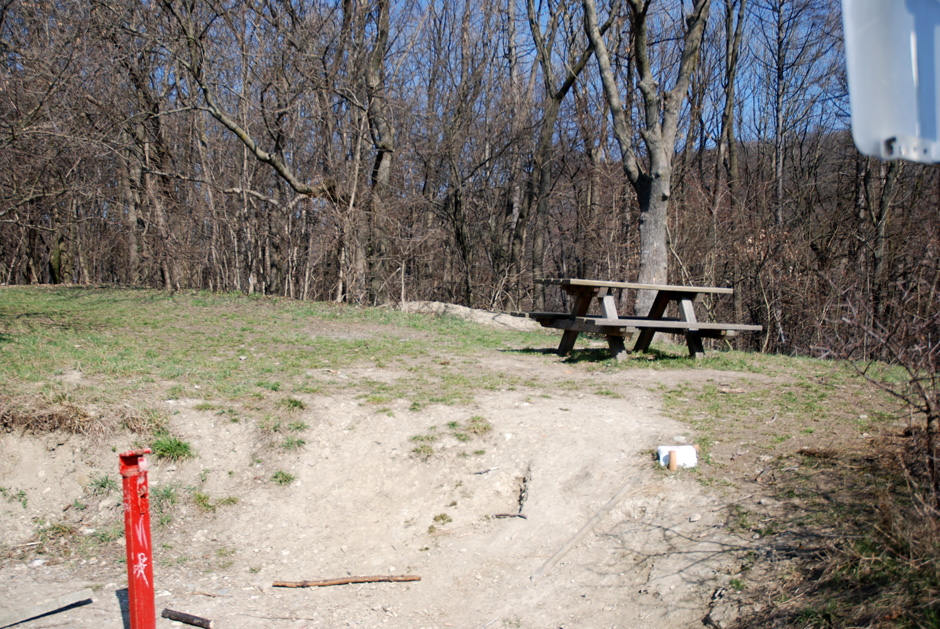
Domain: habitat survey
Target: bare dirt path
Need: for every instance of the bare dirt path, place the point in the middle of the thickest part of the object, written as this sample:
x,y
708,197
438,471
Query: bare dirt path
x,y
363,503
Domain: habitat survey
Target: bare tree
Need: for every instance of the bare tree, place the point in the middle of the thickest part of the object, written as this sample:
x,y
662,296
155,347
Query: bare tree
x,y
659,123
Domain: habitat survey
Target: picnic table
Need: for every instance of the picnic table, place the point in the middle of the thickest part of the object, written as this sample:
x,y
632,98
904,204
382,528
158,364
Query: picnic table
x,y
615,327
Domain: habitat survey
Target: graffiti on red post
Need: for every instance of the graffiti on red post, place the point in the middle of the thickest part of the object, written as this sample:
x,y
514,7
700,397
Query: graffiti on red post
x,y
134,467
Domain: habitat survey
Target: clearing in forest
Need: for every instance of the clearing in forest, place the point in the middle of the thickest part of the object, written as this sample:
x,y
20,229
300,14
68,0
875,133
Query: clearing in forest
x,y
298,441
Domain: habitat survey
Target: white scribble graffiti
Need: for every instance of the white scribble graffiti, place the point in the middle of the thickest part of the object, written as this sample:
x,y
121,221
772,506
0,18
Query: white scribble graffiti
x,y
141,531
140,568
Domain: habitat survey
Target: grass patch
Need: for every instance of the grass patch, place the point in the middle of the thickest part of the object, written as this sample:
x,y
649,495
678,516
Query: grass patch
x,y
172,448
14,495
291,405
283,478
101,485
293,443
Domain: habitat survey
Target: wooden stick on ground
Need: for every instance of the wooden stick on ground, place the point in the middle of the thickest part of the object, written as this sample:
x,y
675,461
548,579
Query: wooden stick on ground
x,y
42,609
188,619
346,580
583,531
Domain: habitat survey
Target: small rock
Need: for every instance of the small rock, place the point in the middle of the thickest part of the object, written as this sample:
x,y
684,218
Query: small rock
x,y
35,563
695,517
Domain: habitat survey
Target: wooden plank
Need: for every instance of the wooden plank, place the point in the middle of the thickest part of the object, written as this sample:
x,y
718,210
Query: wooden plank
x,y
584,325
657,310
693,338
671,326
188,619
583,299
617,349
25,613
573,282
622,327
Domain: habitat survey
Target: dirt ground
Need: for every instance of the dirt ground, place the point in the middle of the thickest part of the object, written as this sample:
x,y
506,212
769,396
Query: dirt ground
x,y
364,504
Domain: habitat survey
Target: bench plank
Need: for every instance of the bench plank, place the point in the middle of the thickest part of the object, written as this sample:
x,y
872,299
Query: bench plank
x,y
669,325
607,328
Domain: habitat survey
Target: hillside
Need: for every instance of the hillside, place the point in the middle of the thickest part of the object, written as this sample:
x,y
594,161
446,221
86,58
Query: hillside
x,y
303,441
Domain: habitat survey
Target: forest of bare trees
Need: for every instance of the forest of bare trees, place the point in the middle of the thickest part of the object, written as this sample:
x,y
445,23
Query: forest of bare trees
x,y
371,151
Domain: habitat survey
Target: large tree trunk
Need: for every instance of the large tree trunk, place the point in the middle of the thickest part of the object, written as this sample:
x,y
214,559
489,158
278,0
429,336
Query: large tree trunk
x,y
383,139
653,233
660,115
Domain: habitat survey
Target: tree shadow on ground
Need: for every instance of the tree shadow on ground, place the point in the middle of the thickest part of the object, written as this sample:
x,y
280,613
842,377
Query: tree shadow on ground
x,y
602,355
854,551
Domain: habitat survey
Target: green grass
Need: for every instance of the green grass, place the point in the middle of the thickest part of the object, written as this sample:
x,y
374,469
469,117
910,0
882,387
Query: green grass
x,y
203,501
172,448
141,348
12,495
291,404
283,478
163,498
101,485
293,443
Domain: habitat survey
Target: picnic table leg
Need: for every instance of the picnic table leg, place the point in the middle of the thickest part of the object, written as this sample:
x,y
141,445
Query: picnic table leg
x,y
615,342
692,336
617,349
656,312
582,303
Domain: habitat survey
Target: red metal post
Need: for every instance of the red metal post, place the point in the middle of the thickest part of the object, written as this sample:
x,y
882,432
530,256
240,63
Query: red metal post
x,y
137,535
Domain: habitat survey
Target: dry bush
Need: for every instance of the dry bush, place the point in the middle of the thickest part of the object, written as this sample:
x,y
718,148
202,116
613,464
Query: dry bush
x,y
52,416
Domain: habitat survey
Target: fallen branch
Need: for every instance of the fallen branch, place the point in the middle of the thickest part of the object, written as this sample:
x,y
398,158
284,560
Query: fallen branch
x,y
346,581
188,619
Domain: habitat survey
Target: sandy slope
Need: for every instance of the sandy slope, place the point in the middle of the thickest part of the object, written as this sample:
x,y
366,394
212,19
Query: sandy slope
x,y
363,504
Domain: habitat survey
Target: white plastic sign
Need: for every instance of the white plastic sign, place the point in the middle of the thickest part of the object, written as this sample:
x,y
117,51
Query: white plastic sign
x,y
892,50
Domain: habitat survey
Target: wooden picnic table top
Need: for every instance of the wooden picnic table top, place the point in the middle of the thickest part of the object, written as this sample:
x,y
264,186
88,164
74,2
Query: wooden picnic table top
x,y
574,282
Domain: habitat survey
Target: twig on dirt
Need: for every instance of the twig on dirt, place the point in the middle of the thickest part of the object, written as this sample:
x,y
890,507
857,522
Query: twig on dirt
x,y
346,580
509,515
492,469
187,619
554,559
